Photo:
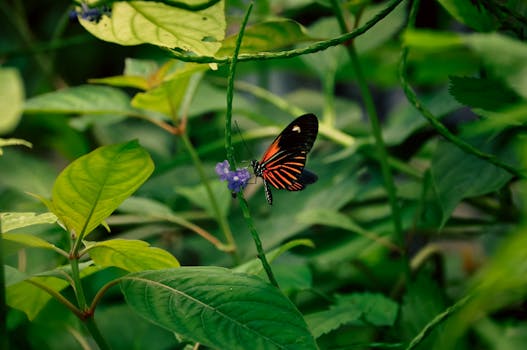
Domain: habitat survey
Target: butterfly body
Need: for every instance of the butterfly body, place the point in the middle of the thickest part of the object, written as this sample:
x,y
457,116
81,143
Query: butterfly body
x,y
282,165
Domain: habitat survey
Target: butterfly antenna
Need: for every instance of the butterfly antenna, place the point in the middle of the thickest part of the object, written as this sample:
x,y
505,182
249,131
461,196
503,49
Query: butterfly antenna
x,y
243,140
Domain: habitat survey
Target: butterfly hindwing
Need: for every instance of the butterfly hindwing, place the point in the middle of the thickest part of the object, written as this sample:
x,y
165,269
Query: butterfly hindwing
x,y
282,165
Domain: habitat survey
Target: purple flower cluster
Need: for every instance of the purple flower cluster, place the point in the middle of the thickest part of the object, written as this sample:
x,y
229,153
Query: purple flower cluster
x,y
236,180
91,14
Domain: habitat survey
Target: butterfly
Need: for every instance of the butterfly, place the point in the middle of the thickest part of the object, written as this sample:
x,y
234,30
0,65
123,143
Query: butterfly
x,y
282,165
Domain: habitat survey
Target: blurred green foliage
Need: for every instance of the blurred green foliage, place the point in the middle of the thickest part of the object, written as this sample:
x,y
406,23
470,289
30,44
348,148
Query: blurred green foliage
x,y
113,118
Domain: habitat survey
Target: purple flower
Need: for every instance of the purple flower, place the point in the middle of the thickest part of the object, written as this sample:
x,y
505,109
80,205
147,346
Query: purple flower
x,y
236,180
91,14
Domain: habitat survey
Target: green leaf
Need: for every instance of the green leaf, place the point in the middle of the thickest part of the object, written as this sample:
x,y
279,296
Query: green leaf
x,y
165,98
267,36
457,175
255,267
489,94
356,308
13,142
504,56
218,308
130,255
471,14
16,241
84,99
11,99
198,196
382,31
13,276
432,40
30,299
421,303
12,221
148,22
93,186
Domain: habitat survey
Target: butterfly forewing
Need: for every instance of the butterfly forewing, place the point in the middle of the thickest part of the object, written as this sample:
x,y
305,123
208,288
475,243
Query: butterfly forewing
x,y
282,165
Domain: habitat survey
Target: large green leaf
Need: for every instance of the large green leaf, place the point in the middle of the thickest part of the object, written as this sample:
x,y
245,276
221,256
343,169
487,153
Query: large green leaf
x,y
148,22
11,99
130,255
93,186
84,99
218,308
457,175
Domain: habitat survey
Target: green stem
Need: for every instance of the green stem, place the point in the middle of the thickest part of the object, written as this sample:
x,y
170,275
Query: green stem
x,y
319,46
376,129
222,220
230,153
436,124
96,333
77,285
257,242
59,297
4,342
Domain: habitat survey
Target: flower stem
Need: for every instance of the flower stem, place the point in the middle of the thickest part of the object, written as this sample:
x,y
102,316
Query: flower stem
x,y
230,153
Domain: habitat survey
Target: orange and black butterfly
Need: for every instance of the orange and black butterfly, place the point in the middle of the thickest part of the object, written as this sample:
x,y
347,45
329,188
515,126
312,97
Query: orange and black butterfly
x,y
282,165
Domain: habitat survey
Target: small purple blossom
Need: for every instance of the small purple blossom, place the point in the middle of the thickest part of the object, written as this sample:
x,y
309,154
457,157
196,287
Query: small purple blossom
x,y
236,180
91,14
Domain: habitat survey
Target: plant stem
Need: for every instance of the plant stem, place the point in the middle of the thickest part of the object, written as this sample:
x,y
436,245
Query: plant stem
x,y
257,242
4,342
96,333
77,285
230,153
377,132
319,46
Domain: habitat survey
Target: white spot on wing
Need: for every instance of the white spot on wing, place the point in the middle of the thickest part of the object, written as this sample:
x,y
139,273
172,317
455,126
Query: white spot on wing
x,y
297,129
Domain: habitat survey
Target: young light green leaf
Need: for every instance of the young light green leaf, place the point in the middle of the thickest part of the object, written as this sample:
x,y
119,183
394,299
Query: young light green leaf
x,y
148,22
12,221
358,308
218,308
165,98
84,99
11,99
267,36
130,255
93,186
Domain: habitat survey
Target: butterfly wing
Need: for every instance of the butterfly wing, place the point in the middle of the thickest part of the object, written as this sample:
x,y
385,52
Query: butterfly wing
x,y
283,163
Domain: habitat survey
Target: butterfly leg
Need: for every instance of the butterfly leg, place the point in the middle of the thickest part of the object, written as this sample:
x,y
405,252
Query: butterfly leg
x,y
268,194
